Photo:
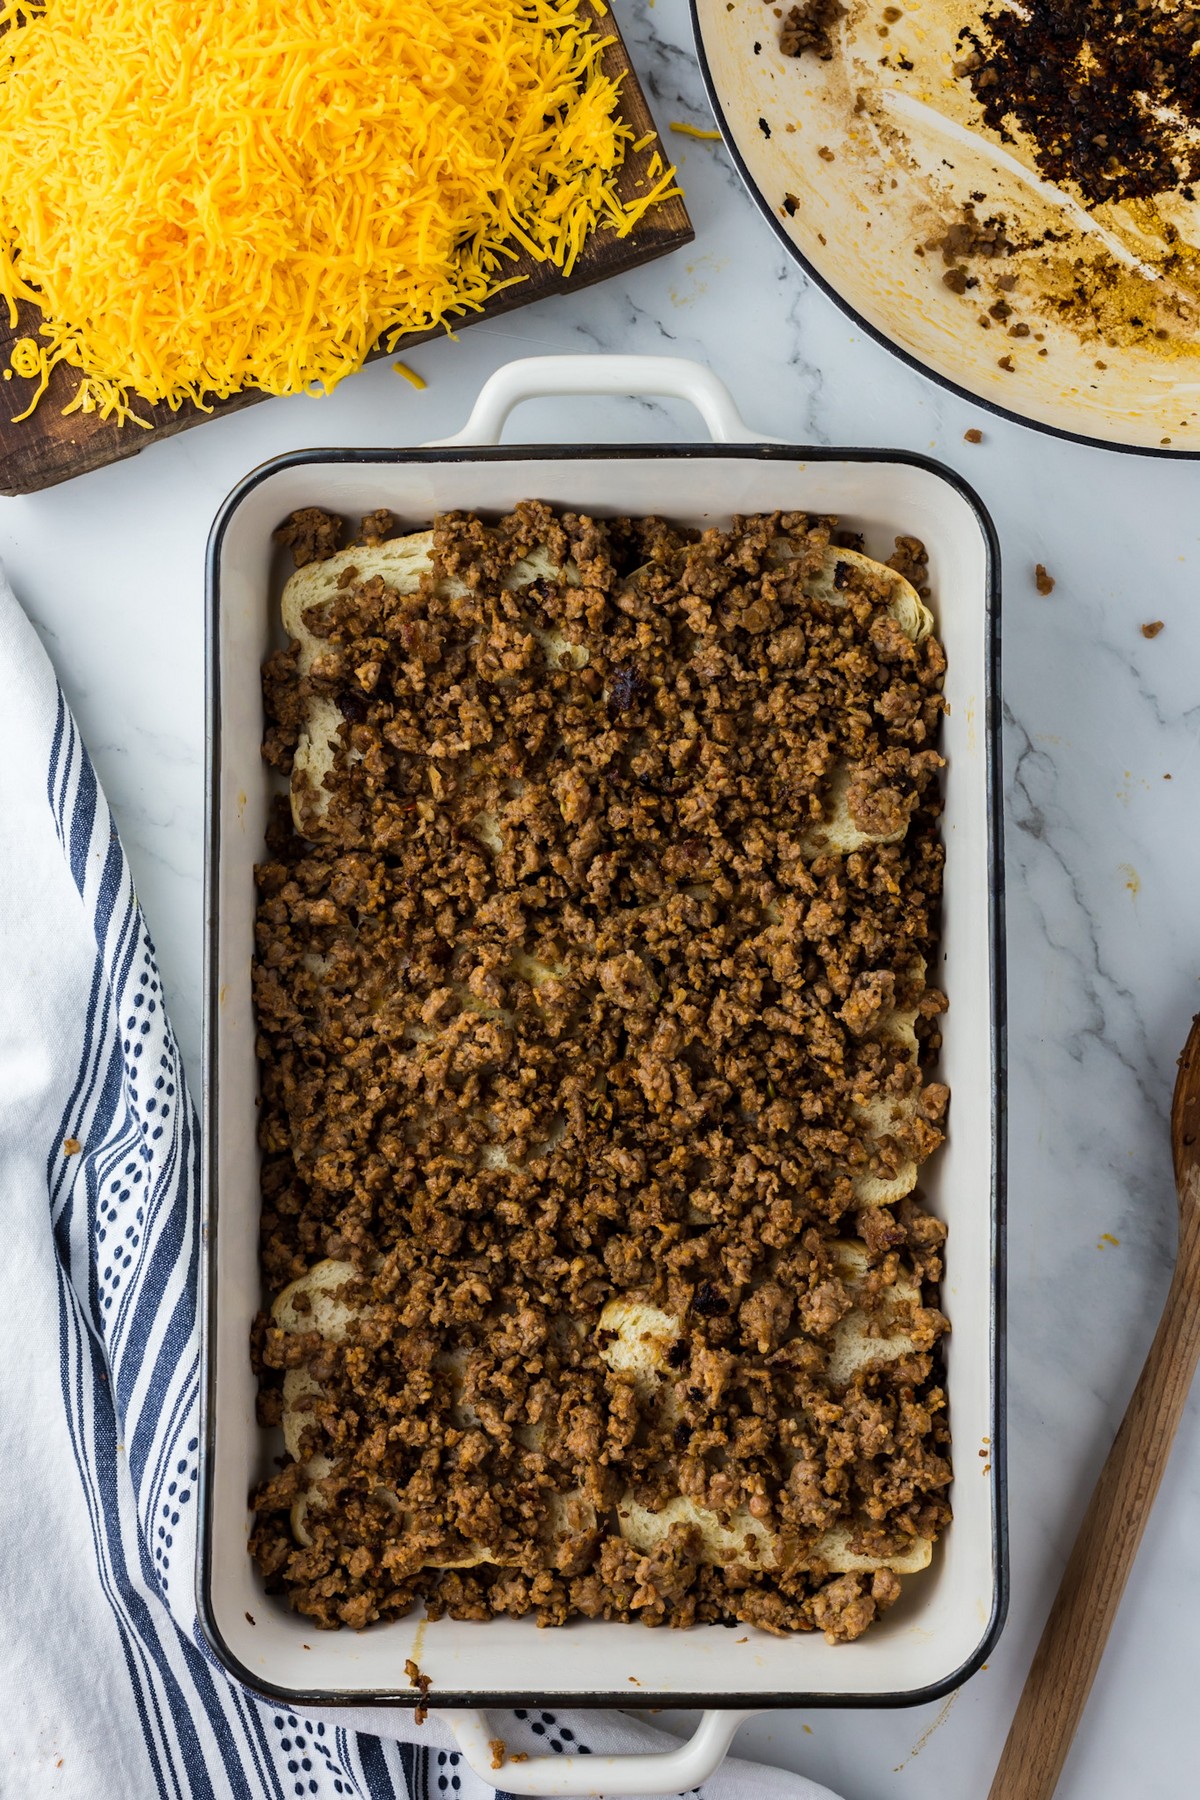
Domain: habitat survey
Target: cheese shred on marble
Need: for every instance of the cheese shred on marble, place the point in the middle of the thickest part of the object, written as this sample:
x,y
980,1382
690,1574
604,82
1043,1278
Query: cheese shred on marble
x,y
253,195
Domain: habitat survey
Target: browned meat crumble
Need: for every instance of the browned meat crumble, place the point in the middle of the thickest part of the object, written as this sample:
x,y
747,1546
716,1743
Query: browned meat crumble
x,y
311,535
811,26
667,1112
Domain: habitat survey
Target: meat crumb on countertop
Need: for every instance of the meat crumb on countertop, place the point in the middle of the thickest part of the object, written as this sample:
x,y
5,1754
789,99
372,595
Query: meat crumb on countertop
x,y
1152,629
567,1006
973,436
1043,580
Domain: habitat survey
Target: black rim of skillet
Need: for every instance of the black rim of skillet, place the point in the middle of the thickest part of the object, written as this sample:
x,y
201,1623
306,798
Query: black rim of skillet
x,y
876,332
752,1702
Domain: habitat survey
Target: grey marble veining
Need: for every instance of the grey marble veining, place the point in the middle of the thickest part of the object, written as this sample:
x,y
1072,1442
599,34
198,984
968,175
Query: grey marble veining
x,y
1103,858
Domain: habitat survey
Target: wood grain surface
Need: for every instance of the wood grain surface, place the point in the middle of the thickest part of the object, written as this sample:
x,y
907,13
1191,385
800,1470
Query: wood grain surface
x,y
1089,1594
48,447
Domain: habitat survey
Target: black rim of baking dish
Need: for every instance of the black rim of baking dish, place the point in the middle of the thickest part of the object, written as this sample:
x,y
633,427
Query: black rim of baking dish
x,y
880,336
752,1702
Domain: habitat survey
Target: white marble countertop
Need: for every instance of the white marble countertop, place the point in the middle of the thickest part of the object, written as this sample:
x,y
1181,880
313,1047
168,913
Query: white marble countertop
x,y
1103,860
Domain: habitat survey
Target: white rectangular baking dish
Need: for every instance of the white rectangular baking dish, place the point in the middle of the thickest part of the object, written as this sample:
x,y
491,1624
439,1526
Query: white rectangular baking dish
x,y
949,1617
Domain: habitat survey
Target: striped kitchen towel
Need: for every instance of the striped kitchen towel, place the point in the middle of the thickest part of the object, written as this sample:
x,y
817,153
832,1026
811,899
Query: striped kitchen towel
x,y
107,1685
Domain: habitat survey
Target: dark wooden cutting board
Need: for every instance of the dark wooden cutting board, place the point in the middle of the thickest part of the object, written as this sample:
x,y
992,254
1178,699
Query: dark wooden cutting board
x,y
47,447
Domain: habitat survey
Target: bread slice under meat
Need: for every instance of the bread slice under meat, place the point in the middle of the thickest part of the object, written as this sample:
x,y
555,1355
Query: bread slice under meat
x,y
401,563
636,1336
317,1301
634,1339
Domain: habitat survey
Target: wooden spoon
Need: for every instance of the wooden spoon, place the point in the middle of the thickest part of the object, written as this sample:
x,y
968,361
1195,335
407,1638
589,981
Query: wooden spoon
x,y
1085,1606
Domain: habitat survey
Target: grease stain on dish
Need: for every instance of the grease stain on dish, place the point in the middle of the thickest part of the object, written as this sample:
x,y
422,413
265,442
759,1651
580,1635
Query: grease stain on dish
x,y
943,1715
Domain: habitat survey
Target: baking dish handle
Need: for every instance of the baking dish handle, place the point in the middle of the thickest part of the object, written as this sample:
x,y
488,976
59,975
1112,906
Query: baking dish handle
x,y
640,1772
544,377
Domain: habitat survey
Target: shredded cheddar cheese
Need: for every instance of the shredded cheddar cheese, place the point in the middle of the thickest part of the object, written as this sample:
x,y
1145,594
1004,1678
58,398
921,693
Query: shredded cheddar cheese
x,y
26,358
694,131
29,360
402,368
201,200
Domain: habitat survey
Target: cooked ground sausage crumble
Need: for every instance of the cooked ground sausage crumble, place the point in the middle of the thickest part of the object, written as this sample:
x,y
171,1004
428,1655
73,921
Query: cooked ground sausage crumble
x,y
556,1009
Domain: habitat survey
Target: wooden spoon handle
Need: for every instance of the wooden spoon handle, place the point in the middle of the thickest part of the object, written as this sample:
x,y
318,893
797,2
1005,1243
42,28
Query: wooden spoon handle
x,y
1073,1641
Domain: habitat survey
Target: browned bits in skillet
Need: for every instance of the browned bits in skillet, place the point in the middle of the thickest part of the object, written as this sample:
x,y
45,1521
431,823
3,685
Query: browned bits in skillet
x,y
811,26
558,1011
1043,580
969,236
1109,95
1152,629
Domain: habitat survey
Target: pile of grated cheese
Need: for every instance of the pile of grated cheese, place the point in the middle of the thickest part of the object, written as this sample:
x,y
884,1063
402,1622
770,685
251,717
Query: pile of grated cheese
x,y
204,199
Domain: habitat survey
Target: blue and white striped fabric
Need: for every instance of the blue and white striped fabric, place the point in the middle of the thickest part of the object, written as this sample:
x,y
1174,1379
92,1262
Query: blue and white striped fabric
x,y
107,1687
